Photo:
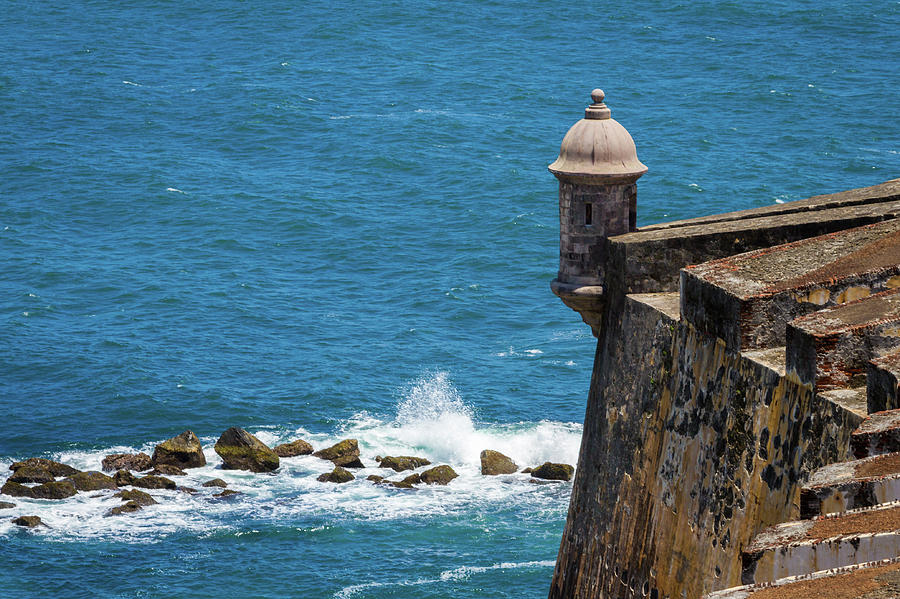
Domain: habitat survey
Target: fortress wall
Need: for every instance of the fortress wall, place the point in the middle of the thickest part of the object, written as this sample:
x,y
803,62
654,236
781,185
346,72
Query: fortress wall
x,y
688,451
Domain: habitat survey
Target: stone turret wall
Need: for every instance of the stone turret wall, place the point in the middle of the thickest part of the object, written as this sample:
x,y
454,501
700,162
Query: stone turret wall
x,y
611,212
692,447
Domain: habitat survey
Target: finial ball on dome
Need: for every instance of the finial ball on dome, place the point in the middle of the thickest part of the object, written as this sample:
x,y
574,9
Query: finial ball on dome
x,y
597,95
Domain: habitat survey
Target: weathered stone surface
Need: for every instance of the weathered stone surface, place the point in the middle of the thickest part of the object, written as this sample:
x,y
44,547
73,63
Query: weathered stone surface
x,y
136,496
5,505
123,478
127,461
832,348
184,451
375,478
690,447
748,299
551,471
673,418
188,490
439,475
800,547
154,482
60,489
27,521
345,453
216,482
54,468
402,462
31,474
240,450
873,580
494,462
850,485
92,481
14,489
294,448
877,434
127,508
649,259
338,475
167,470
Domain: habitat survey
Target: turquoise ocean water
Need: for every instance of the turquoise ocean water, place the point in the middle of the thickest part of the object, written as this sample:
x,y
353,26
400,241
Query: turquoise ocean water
x,y
330,220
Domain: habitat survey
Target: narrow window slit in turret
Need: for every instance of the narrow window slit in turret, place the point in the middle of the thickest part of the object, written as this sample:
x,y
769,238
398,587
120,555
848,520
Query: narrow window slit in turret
x,y
588,214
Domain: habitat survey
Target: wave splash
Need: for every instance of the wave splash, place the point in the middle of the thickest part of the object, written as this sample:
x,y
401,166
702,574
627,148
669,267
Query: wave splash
x,y
433,419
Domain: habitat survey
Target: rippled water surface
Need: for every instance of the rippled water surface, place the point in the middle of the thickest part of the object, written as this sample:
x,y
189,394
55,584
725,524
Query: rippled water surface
x,y
332,220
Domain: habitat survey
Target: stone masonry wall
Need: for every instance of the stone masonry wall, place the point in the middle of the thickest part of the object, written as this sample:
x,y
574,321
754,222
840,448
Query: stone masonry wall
x,y
688,451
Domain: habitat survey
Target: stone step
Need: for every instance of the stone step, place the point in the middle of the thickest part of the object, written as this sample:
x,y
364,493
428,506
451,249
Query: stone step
x,y
850,485
825,542
832,348
876,435
870,580
748,299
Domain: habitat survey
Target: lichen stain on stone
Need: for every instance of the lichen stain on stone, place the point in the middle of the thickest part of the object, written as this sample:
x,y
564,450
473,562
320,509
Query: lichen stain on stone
x,y
853,293
819,296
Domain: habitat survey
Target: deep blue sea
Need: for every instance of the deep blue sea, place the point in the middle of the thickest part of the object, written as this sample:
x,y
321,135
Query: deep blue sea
x,y
325,220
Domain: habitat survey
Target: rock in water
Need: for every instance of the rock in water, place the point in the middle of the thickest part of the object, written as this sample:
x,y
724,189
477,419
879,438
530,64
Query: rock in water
x,y
92,481
494,462
168,470
154,482
55,490
345,453
55,468
338,475
216,482
183,451
227,493
14,489
31,474
135,496
128,508
294,448
5,505
240,450
127,461
439,475
408,482
124,478
27,521
402,462
551,471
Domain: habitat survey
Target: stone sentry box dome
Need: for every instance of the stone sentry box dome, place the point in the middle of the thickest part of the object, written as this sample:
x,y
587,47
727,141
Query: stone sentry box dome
x,y
597,170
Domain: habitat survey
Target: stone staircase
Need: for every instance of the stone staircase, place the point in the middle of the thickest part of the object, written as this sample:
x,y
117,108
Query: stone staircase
x,y
834,303
847,540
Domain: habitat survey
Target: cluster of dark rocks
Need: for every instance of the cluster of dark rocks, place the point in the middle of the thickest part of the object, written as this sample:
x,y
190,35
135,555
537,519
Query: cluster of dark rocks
x,y
494,462
40,478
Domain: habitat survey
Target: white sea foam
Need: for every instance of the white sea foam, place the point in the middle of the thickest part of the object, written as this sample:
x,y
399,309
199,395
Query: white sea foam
x,y
431,421
467,571
460,573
